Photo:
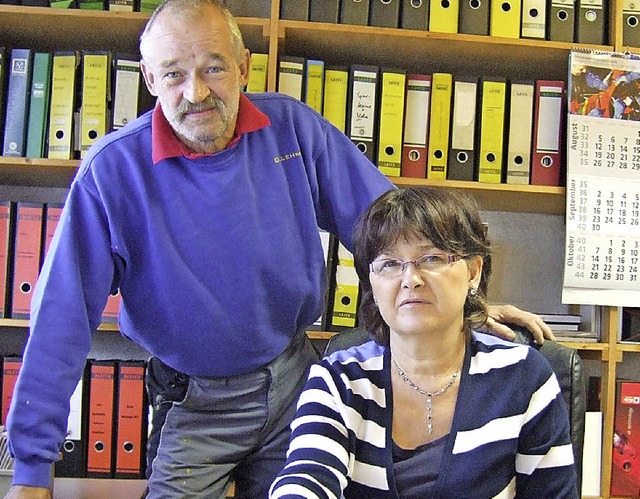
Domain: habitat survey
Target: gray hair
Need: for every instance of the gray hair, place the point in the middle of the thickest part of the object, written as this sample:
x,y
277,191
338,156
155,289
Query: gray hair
x,y
182,7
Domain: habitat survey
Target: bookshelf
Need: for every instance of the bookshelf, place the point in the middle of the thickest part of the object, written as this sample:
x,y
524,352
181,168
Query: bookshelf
x,y
47,180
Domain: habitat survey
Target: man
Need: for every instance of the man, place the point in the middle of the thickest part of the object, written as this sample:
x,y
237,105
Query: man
x,y
204,213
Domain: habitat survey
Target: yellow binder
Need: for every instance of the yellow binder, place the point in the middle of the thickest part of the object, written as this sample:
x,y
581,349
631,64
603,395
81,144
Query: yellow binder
x,y
492,113
291,76
95,93
336,87
63,92
504,18
345,301
439,125
258,65
315,83
391,121
443,16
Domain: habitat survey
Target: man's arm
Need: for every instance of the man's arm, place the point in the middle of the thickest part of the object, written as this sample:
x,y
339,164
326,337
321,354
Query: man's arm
x,y
25,492
500,315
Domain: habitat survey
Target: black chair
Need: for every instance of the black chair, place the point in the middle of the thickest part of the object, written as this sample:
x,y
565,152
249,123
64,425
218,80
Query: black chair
x,y
564,361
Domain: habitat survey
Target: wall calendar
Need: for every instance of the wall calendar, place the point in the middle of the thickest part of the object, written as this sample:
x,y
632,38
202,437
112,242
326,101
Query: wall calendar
x,y
602,248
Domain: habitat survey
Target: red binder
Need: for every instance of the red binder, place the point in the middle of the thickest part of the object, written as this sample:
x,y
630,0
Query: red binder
x,y
5,238
10,370
102,377
131,420
416,126
546,160
26,264
53,212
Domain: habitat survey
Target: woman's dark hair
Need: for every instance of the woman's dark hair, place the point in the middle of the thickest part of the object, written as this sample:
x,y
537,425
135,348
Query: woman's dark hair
x,y
447,218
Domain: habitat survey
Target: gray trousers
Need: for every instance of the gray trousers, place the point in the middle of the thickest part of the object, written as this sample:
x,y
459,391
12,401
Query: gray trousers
x,y
225,429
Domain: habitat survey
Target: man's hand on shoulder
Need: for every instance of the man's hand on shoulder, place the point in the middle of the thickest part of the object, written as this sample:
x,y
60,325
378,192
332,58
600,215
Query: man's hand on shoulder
x,y
500,315
26,492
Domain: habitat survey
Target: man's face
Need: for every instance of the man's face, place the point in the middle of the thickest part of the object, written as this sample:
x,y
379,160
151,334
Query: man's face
x,y
190,66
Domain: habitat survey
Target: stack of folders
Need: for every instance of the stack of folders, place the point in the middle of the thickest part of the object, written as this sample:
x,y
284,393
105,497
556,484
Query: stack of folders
x,y
583,21
57,104
438,125
567,327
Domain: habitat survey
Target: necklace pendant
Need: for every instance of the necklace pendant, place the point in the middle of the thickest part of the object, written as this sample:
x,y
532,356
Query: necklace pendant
x,y
429,415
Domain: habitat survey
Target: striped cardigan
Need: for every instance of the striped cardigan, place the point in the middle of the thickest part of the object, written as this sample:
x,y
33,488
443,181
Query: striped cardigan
x,y
509,436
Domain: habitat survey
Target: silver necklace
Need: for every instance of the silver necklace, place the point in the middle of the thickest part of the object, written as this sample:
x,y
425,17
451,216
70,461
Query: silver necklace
x,y
429,395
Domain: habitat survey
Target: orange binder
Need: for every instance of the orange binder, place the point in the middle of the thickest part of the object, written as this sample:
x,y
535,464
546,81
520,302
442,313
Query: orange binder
x,y
51,219
112,308
131,420
26,264
548,122
102,377
10,370
5,239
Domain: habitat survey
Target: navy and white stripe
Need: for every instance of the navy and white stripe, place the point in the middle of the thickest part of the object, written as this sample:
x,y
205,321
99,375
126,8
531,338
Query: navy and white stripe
x,y
509,437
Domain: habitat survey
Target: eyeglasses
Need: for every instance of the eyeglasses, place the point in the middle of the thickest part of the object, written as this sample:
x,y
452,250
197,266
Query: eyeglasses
x,y
390,267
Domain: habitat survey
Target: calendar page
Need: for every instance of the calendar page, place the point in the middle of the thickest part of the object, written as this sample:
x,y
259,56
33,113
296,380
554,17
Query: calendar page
x,y
603,180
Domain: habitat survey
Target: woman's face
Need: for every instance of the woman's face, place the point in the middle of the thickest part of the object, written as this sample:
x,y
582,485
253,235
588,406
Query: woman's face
x,y
428,300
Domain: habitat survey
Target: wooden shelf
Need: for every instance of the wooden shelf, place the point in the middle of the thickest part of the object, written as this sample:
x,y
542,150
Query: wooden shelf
x,y
494,56
493,197
44,28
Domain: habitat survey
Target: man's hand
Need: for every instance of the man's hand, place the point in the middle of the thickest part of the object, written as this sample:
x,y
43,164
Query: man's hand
x,y
25,492
501,314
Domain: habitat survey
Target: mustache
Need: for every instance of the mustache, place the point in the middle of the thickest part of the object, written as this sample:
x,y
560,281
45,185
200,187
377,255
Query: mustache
x,y
208,103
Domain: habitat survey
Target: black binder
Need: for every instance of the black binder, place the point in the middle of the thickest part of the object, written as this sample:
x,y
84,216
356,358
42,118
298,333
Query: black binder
x,y
384,13
294,10
591,21
414,14
324,11
249,8
354,12
474,17
562,20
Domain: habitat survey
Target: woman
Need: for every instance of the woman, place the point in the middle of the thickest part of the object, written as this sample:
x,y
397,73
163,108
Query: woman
x,y
430,407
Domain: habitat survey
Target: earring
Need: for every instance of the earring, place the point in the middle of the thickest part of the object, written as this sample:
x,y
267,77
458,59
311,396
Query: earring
x,y
472,293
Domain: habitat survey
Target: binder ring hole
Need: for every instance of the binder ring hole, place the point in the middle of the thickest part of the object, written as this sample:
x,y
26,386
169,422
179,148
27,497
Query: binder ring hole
x,y
414,155
474,4
590,15
99,446
68,446
632,21
462,157
416,4
362,146
491,157
93,134
562,15
386,2
438,154
533,13
128,447
546,161
25,287
445,4
505,6
59,134
518,160
345,300
389,150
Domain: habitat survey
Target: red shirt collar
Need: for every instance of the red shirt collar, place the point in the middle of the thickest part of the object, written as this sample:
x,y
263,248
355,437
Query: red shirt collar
x,y
165,144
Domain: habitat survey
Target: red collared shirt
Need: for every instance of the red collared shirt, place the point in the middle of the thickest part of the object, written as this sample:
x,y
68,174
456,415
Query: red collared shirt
x,y
165,144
